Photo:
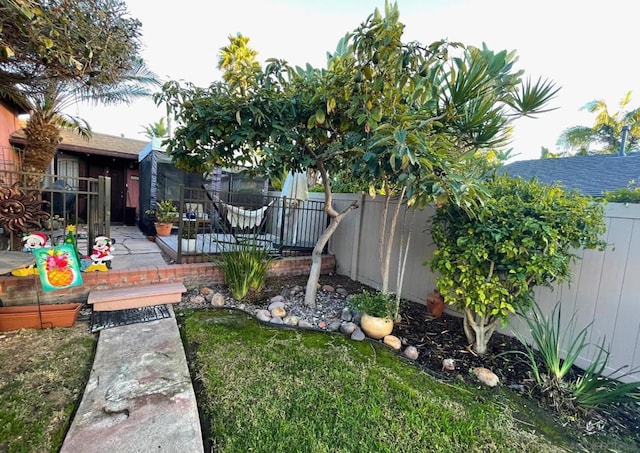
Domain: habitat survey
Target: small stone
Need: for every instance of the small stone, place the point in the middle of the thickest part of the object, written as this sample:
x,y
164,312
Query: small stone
x,y
304,324
393,341
346,314
205,291
322,325
411,352
334,326
486,376
342,291
448,364
277,301
328,289
276,320
277,311
217,300
358,335
197,299
348,328
263,315
291,320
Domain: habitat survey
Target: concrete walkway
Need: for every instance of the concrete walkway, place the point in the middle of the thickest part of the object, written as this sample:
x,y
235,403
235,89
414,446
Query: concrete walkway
x,y
139,397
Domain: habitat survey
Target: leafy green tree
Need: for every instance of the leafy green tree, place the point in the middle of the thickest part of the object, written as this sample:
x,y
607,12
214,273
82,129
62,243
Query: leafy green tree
x,y
158,129
524,236
605,135
400,114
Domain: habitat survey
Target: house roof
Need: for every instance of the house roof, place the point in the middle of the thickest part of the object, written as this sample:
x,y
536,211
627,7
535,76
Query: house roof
x,y
101,144
590,175
11,106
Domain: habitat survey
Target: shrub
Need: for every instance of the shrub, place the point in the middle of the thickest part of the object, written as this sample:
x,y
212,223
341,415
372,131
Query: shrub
x,y
379,304
591,388
245,268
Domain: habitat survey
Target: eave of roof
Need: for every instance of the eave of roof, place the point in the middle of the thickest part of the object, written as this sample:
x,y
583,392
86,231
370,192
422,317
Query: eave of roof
x,y
98,144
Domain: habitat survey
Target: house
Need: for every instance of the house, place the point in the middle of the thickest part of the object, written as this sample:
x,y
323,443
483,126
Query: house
x,y
590,175
9,123
101,155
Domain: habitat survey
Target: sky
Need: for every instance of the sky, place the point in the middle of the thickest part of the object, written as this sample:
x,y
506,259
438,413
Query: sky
x,y
585,47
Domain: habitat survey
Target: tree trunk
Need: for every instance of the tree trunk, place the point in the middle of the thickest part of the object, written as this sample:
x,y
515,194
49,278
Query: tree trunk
x,y
478,330
316,256
42,139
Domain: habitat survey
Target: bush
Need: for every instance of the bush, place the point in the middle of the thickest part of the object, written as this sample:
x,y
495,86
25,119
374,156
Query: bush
x,y
245,268
379,304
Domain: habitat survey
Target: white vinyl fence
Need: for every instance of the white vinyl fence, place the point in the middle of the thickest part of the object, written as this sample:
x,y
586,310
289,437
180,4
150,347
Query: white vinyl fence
x,y
604,293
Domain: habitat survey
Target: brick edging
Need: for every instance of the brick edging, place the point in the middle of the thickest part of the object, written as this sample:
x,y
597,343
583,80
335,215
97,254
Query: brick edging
x,y
27,290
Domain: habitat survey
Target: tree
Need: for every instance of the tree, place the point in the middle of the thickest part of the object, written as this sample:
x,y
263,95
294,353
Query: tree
x,y
399,112
524,236
158,129
47,110
92,42
605,135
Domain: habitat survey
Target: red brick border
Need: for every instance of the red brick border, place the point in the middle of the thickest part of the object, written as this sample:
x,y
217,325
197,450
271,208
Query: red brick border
x,y
22,290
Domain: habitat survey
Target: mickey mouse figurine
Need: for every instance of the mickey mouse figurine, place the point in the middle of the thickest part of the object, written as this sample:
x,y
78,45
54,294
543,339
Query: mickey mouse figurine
x,y
101,256
30,242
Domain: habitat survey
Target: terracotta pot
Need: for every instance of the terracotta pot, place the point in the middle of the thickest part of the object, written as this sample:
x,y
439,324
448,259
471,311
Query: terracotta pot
x,y
376,327
28,316
163,229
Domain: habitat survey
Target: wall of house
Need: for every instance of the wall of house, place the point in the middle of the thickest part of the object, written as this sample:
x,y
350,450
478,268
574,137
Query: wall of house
x,y
8,125
604,293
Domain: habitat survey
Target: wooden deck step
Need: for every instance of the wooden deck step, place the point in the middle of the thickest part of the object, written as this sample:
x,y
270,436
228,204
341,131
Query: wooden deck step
x,y
136,296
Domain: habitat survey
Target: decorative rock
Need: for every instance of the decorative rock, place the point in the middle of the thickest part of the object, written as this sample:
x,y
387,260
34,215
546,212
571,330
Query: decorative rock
x,y
197,299
328,289
346,314
276,320
263,315
348,328
304,324
393,341
291,320
322,325
277,311
276,301
205,291
448,364
486,377
217,300
358,335
411,352
334,326
342,291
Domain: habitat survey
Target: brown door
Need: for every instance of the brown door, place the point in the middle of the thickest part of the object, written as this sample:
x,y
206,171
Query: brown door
x,y
118,195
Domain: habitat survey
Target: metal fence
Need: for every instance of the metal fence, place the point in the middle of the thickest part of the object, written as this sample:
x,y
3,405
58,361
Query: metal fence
x,y
223,221
80,201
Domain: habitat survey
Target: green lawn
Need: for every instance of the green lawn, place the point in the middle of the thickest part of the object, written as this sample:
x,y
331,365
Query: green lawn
x,y
267,389
42,378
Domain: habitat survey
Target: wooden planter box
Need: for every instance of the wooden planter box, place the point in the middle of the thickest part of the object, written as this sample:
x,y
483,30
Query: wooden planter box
x,y
28,316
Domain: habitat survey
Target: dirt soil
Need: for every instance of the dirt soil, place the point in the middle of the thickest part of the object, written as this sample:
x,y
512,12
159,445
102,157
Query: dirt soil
x,y
442,338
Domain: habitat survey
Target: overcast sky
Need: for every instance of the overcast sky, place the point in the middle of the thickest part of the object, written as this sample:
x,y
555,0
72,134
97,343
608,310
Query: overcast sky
x,y
586,47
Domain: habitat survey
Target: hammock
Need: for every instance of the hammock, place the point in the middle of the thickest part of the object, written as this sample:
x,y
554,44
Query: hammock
x,y
244,218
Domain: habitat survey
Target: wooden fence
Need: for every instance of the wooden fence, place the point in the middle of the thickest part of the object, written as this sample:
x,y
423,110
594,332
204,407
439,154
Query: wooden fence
x,y
604,293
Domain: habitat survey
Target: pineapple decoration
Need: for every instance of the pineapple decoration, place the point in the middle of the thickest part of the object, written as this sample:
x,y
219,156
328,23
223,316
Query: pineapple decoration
x,y
58,267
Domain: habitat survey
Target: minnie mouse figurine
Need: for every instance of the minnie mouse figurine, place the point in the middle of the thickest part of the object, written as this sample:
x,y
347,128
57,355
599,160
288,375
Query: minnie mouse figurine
x,y
101,256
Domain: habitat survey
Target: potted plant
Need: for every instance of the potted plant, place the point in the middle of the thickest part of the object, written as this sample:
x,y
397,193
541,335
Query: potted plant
x,y
189,235
164,215
377,311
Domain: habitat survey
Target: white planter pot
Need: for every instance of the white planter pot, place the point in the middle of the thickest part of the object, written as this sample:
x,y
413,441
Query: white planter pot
x,y
189,245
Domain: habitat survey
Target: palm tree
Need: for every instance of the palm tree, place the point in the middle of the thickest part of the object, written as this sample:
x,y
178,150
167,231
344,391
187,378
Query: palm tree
x,y
47,105
157,129
604,137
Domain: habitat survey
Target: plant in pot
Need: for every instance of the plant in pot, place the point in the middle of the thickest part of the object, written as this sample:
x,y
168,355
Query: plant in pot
x,y
377,311
189,235
164,215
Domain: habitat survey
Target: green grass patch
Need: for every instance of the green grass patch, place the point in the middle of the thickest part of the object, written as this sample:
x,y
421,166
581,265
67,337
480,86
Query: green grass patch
x,y
42,378
268,389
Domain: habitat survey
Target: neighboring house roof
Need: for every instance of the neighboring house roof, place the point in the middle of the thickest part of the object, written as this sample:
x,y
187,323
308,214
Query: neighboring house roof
x,y
590,175
12,106
101,144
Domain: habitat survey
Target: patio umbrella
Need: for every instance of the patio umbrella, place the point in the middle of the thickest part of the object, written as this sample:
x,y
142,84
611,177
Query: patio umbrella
x,y
296,191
